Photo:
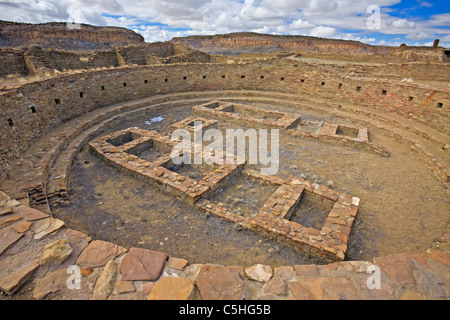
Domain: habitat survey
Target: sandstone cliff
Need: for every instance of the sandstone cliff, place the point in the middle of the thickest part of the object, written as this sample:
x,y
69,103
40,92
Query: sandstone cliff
x,y
238,43
58,35
246,42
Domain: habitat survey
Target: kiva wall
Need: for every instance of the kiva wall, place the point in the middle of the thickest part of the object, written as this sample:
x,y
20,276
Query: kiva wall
x,y
29,112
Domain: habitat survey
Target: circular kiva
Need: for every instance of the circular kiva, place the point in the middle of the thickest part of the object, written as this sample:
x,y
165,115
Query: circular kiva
x,y
45,140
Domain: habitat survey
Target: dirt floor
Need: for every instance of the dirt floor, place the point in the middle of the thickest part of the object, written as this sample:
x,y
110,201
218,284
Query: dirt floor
x,y
403,206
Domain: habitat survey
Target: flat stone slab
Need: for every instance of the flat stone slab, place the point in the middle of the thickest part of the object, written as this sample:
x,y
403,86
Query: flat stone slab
x,y
306,270
124,287
16,269
259,273
57,282
9,221
142,264
220,283
4,196
52,282
5,211
9,203
29,214
277,286
147,287
46,226
78,241
8,236
398,267
324,289
177,263
22,226
98,253
441,256
171,288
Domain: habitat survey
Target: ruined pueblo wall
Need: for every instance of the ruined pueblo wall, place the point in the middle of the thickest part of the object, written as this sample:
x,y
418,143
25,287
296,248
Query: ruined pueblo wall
x,y
47,60
139,54
12,62
34,109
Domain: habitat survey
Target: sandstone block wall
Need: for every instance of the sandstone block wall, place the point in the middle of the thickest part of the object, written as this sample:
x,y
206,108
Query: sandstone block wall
x,y
139,53
427,54
48,60
12,62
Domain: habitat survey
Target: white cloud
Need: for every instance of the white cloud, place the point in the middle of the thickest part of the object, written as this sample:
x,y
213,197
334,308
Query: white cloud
x,y
322,18
301,24
322,32
321,6
419,36
155,33
426,4
401,23
352,37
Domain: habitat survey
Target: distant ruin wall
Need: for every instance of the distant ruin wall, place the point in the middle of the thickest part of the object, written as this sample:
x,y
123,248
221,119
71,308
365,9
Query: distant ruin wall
x,y
47,60
139,54
31,111
419,54
12,62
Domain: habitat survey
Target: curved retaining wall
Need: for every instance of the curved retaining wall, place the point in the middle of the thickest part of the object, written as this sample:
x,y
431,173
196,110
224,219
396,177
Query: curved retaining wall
x,y
36,108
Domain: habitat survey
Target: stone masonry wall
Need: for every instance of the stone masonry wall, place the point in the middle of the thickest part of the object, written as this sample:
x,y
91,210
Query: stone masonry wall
x,y
48,60
12,62
36,108
139,54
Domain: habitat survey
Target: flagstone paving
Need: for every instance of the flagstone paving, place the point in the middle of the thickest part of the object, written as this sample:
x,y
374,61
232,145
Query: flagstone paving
x,y
35,263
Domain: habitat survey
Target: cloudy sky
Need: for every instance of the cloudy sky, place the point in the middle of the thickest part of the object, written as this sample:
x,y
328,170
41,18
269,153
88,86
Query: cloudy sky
x,y
389,22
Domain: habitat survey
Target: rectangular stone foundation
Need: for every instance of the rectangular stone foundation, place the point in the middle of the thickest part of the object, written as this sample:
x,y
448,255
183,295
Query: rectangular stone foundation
x,y
158,172
328,243
246,115
340,131
188,124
